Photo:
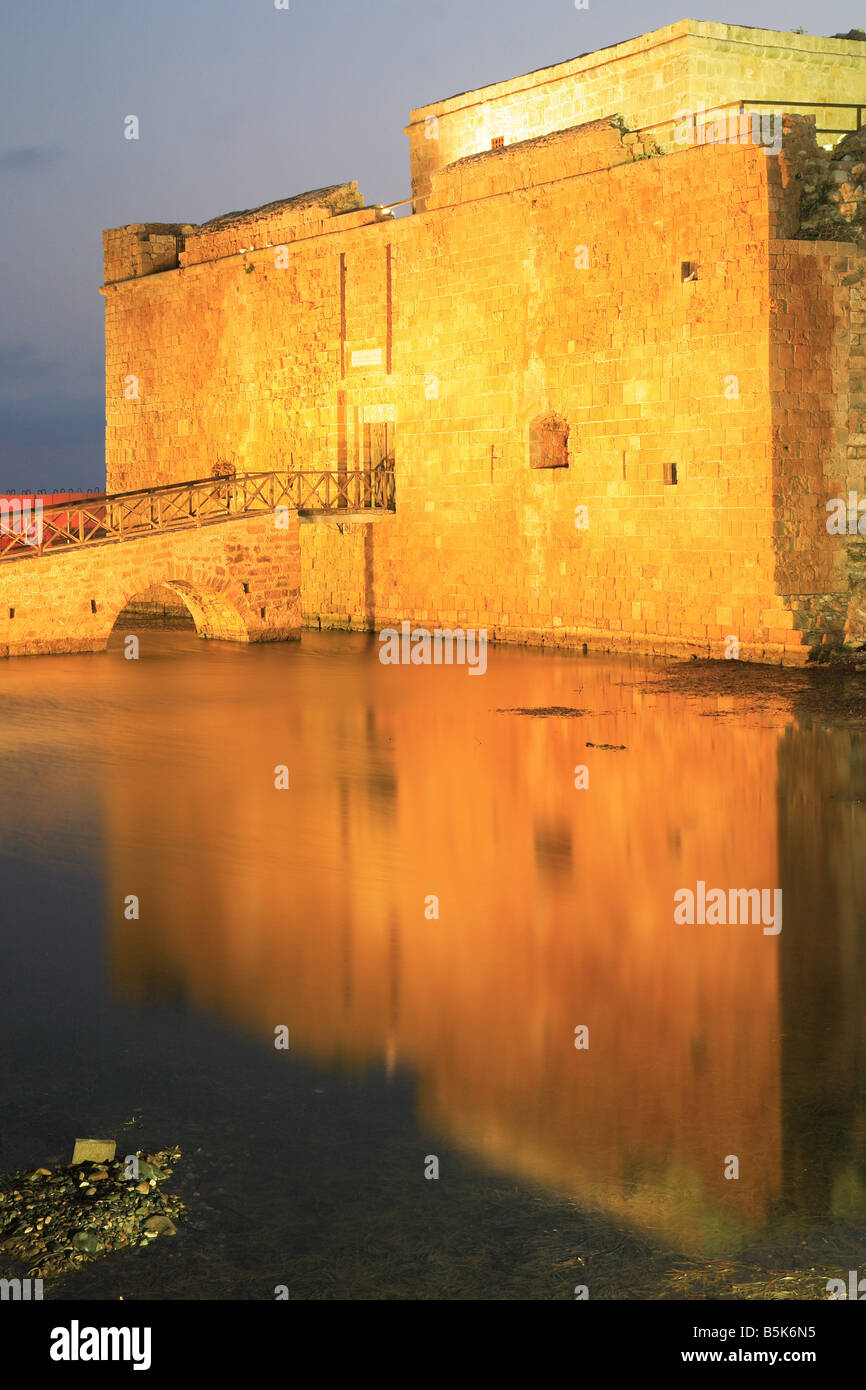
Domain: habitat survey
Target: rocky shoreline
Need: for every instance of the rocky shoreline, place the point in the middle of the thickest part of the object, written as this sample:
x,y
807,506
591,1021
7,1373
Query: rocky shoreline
x,y
54,1220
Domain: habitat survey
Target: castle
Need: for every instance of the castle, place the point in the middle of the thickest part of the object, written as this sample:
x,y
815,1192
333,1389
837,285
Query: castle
x,y
615,355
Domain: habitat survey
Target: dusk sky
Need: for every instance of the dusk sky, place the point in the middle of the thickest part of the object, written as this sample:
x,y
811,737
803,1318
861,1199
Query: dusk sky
x,y
239,104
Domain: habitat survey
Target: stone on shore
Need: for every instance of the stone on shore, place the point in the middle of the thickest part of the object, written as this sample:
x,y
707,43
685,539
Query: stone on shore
x,y
94,1151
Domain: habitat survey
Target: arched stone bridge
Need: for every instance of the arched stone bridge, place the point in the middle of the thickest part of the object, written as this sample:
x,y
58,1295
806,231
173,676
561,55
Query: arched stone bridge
x,y
228,547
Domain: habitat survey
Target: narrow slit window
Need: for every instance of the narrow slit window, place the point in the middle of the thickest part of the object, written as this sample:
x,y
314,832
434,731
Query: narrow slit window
x,y
670,474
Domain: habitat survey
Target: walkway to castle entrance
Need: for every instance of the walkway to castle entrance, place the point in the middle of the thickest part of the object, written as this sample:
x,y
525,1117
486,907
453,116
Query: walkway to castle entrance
x,y
228,547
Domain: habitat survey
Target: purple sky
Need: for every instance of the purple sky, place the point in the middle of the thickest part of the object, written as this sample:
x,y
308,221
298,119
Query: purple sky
x,y
239,104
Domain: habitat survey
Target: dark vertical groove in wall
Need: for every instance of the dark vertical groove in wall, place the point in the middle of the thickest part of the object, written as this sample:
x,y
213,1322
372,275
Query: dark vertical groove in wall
x,y
390,328
343,315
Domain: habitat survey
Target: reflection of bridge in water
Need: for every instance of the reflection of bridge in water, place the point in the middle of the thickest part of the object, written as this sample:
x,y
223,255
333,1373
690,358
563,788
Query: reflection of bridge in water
x,y
556,909
227,546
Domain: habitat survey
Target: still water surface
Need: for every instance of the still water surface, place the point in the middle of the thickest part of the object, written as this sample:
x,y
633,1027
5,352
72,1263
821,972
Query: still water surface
x,y
415,1036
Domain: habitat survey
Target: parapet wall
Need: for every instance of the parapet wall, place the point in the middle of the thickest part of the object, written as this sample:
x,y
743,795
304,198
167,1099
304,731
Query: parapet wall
x,y
687,66
148,248
568,153
273,225
143,248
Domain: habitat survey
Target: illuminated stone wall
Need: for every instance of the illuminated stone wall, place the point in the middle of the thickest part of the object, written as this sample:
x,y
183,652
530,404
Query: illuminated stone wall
x,y
701,359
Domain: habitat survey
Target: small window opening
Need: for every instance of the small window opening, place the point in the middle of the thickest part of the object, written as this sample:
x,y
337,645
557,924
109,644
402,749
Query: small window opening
x,y
261,612
498,142
11,612
689,271
246,587
670,474
93,605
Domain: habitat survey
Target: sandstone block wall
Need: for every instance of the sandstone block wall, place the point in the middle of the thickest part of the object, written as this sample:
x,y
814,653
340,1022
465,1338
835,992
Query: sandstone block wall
x,y
702,361
813,381
143,248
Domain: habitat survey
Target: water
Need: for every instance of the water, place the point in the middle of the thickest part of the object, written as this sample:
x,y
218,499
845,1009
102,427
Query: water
x,y
416,1036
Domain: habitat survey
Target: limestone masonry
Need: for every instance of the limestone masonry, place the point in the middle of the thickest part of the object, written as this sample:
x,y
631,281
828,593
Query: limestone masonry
x,y
616,352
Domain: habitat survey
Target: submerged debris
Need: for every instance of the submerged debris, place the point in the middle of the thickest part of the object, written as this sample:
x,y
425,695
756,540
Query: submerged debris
x,y
544,711
55,1220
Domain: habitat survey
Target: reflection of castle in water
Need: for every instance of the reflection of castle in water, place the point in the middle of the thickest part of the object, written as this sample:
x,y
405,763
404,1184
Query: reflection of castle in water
x,y
307,908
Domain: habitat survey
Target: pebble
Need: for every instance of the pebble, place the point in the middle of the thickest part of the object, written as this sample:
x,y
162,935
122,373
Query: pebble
x,y
120,1214
159,1226
86,1241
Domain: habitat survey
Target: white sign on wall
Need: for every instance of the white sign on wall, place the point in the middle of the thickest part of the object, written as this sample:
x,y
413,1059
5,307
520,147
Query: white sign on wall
x,y
367,357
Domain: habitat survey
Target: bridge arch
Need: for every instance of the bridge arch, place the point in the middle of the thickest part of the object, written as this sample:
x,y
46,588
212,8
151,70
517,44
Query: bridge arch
x,y
217,615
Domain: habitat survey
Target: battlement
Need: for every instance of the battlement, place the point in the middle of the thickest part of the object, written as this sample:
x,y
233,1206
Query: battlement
x,y
647,86
143,248
581,149
650,81
146,248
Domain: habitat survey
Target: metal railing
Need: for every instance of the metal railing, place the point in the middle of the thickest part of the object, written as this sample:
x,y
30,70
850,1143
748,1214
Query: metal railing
x,y
124,516
782,106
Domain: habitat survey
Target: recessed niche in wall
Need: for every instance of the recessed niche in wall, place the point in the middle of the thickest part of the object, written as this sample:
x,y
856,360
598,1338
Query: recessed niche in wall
x,y
670,474
548,441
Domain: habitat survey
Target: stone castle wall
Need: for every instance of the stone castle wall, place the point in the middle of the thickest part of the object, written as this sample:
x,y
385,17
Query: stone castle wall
x,y
700,358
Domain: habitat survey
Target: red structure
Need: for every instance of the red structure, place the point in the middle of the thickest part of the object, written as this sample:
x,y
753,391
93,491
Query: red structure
x,y
20,512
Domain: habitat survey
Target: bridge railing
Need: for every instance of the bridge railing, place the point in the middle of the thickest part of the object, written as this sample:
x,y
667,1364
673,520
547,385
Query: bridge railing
x,y
354,489
125,515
